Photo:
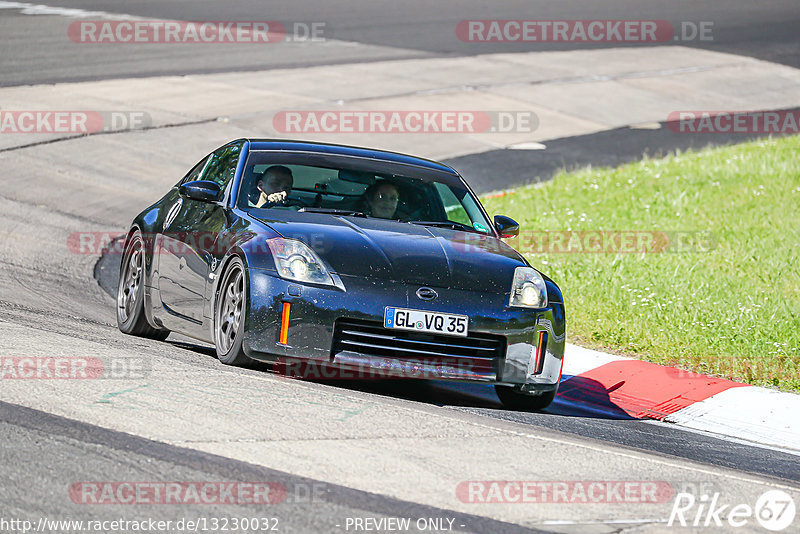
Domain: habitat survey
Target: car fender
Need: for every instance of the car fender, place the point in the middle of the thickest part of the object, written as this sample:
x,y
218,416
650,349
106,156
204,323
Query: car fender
x,y
253,255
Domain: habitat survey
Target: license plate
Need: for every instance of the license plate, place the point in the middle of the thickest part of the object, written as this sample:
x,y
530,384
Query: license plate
x,y
425,321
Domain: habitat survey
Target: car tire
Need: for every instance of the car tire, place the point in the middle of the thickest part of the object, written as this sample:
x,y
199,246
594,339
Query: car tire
x,y
130,293
230,306
513,399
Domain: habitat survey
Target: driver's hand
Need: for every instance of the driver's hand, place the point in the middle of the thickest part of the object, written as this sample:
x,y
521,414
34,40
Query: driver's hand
x,y
280,196
272,198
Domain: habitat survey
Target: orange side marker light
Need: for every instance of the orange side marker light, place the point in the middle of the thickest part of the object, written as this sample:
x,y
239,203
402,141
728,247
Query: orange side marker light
x,y
284,335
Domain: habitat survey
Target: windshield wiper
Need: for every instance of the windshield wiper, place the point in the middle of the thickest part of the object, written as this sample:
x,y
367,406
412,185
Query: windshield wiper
x,y
447,224
333,211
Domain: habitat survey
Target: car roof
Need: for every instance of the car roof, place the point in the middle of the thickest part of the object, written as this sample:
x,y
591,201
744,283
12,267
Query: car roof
x,y
289,145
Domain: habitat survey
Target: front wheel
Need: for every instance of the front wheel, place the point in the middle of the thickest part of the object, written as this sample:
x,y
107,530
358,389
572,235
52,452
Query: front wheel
x,y
229,315
516,400
130,293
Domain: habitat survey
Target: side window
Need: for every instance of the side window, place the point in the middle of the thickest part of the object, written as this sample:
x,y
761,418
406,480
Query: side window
x,y
222,165
195,172
452,206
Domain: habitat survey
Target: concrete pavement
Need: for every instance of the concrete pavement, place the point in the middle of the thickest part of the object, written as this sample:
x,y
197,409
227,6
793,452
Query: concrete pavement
x,y
572,93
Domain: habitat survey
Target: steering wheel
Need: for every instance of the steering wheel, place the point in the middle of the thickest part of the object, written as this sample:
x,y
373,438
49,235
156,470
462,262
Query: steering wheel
x,y
286,202
415,215
295,202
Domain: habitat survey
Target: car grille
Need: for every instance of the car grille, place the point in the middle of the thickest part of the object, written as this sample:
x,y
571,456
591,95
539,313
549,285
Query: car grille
x,y
406,353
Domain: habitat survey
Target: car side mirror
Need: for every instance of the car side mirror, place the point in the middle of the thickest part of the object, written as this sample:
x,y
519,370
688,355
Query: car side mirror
x,y
202,190
506,226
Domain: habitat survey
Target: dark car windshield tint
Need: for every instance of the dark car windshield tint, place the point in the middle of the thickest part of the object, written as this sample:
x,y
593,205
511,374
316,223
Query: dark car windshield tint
x,y
352,185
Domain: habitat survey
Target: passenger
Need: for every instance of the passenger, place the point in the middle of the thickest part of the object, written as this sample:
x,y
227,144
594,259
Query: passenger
x,y
274,185
381,199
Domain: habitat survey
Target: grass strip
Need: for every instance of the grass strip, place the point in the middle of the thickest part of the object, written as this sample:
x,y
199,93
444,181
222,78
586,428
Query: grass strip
x,y
698,264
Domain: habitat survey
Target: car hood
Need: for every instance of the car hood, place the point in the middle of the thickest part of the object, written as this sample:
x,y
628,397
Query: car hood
x,y
402,252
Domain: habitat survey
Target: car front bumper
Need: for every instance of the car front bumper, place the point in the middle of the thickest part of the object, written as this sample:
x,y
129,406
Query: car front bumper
x,y
319,317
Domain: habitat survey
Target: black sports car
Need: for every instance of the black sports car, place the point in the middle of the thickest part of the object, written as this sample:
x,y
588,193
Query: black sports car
x,y
354,258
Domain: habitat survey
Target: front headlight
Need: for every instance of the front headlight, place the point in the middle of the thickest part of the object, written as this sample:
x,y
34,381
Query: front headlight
x,y
295,261
528,289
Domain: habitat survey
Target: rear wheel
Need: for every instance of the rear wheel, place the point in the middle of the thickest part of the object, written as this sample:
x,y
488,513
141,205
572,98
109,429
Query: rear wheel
x,y
513,399
130,293
229,314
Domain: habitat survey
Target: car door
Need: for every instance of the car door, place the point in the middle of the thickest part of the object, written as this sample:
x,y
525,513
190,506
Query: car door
x,y
189,234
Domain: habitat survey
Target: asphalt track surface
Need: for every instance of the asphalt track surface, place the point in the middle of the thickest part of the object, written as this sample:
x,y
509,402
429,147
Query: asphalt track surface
x,y
500,169
32,49
55,300
308,505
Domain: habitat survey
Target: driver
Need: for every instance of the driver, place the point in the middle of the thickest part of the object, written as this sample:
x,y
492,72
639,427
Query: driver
x,y
274,185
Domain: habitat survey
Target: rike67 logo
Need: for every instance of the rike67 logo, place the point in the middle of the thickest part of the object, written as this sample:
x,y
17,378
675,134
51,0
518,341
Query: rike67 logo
x,y
774,510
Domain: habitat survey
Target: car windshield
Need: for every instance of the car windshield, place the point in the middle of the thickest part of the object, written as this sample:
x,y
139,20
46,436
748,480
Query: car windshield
x,y
359,188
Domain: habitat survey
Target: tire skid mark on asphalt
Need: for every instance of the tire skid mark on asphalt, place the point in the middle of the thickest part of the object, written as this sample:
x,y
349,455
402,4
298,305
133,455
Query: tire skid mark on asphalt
x,y
52,210
151,397
111,132
108,398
